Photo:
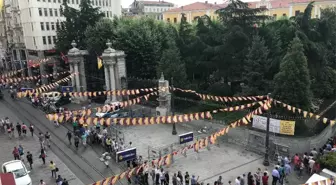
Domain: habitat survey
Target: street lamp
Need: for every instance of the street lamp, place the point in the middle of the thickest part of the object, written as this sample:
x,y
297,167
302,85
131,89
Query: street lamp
x,y
266,159
174,132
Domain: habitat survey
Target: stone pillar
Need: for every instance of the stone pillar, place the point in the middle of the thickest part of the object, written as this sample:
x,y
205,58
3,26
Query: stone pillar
x,y
76,61
108,57
113,82
107,82
164,99
72,70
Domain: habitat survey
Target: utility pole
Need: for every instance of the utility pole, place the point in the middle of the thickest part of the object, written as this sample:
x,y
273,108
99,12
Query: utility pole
x,y
174,132
266,159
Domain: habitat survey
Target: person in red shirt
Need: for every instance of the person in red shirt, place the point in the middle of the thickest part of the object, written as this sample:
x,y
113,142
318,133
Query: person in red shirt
x,y
16,154
265,179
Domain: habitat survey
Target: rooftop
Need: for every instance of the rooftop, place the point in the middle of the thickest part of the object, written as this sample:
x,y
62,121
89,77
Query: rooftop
x,y
154,2
197,6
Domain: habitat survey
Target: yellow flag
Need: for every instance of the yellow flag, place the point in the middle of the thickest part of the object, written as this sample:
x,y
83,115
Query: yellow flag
x,y
1,4
99,62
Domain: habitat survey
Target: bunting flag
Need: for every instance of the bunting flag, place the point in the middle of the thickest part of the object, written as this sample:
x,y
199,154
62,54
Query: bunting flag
x,y
306,114
37,62
10,74
29,78
44,88
166,160
99,62
104,108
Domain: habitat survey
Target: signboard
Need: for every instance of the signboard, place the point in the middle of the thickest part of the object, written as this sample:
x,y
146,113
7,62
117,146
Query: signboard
x,y
276,126
27,89
187,137
126,155
67,89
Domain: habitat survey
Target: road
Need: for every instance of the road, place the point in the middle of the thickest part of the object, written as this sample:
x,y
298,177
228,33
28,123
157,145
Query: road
x,y
84,163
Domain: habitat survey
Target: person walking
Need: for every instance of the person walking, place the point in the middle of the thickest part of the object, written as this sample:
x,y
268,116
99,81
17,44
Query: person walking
x,y
31,130
42,182
65,182
24,129
16,153
52,167
12,130
41,139
69,135
275,176
43,155
265,179
30,159
186,178
76,141
9,132
18,128
47,138
21,151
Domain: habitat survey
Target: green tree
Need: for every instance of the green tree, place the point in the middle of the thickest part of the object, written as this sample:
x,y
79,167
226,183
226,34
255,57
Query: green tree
x,y
75,24
292,83
256,66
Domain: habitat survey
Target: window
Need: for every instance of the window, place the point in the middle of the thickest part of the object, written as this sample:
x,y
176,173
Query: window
x,y
297,12
50,12
54,39
49,40
168,19
274,16
175,20
56,12
57,25
45,11
195,18
54,1
42,26
29,12
73,1
49,1
32,26
47,26
284,15
43,0
44,40
76,1
59,1
34,41
52,26
40,11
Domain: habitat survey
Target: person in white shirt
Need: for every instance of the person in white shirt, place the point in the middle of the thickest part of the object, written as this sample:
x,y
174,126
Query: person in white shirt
x,y
311,165
237,181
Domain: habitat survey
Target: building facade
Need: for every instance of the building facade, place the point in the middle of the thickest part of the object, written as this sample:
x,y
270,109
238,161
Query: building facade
x,y
152,9
29,26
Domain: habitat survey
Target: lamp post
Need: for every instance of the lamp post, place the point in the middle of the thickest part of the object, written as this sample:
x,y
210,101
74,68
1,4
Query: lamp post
x,y
174,132
266,159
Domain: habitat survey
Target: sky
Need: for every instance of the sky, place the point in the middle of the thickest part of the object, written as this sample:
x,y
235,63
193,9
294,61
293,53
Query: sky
x,y
126,3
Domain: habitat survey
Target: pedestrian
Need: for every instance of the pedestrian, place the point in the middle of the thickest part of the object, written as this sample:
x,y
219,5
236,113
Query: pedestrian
x,y
74,125
52,167
242,180
162,177
43,155
76,141
41,139
265,179
47,138
12,130
180,176
24,129
42,182
21,151
186,178
18,128
174,179
65,182
108,143
31,129
230,183
166,178
30,159
84,140
16,153
9,132
69,135
275,176
237,181
257,176
194,180
59,180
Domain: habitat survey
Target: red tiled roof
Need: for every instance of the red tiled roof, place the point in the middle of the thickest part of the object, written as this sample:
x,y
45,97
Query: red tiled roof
x,y
196,6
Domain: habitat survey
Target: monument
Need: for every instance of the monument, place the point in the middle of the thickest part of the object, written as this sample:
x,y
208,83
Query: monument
x,y
164,108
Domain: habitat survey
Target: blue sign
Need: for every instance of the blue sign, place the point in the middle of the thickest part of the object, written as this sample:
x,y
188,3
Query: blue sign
x,y
27,89
126,155
67,89
187,137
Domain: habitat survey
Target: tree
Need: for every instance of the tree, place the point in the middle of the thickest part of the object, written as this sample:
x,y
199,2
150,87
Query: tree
x,y
292,83
256,68
75,24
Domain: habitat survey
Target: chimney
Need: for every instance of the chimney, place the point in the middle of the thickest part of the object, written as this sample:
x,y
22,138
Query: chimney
x,y
206,2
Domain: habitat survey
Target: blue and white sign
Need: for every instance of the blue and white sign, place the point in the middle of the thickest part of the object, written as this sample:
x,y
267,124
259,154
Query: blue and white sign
x,y
187,137
67,89
27,89
126,155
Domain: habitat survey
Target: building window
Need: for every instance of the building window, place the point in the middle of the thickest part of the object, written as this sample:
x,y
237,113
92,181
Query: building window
x,y
44,40
29,12
77,2
168,19
274,16
40,11
50,12
73,1
49,40
56,12
42,26
54,1
284,15
175,20
59,1
32,26
45,11
297,12
52,26
54,39
195,18
57,25
34,41
49,1
47,26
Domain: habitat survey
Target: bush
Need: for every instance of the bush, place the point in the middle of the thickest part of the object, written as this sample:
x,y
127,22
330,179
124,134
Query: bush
x,y
328,161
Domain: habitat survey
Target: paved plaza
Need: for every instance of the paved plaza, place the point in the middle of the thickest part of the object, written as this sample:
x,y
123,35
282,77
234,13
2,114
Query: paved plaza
x,y
31,144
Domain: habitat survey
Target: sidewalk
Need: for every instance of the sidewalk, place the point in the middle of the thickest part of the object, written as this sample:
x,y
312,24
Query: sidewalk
x,y
31,144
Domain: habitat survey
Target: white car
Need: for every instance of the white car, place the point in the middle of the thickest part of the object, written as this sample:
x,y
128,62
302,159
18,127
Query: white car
x,y
21,174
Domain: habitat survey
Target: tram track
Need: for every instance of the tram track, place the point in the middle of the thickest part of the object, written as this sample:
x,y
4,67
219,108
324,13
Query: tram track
x,y
92,174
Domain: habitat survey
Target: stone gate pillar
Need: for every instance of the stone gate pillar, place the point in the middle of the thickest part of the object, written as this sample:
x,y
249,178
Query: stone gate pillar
x,y
109,62
164,99
76,61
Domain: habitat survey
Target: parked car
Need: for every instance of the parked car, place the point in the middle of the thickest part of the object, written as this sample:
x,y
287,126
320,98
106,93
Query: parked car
x,y
19,170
